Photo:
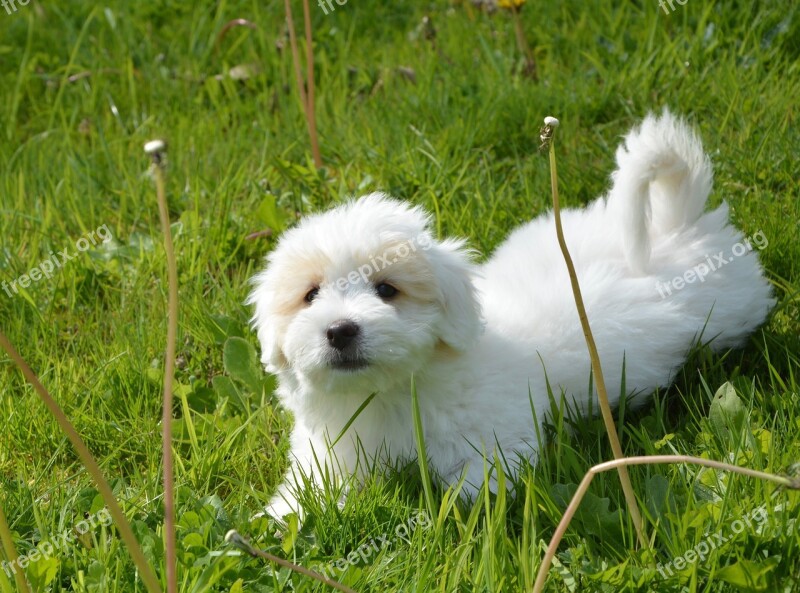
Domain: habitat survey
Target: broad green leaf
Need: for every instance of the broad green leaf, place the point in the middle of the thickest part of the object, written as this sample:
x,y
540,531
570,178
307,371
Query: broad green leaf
x,y
593,515
613,575
659,500
747,575
292,531
270,214
241,363
727,413
202,399
42,572
223,327
225,388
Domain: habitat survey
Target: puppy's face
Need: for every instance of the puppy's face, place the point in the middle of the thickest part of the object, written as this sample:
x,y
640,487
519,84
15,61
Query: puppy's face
x,y
359,297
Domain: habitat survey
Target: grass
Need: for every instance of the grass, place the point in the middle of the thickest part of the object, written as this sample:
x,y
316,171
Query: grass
x,y
82,87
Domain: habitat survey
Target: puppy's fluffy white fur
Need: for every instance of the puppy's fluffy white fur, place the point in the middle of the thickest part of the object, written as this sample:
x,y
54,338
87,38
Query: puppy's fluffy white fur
x,y
482,341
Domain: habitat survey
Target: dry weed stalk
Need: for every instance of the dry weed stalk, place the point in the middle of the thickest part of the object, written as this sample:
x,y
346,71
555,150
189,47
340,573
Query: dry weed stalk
x,y
306,98
583,487
548,142
126,533
156,149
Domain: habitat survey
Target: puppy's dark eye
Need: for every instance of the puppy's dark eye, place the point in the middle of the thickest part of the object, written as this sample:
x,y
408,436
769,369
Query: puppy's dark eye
x,y
311,294
385,291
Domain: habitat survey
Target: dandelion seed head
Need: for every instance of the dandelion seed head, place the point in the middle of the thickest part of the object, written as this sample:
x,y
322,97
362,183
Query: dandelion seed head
x,y
551,121
155,146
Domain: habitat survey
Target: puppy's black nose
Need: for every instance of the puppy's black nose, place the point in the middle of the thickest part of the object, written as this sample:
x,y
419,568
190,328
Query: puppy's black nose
x,y
342,333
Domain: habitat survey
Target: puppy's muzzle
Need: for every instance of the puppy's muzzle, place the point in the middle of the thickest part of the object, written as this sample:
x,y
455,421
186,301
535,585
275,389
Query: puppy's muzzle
x,y
343,337
343,334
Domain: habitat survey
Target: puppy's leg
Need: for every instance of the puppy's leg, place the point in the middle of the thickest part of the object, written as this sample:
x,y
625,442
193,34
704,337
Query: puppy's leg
x,y
300,472
478,471
284,501
312,465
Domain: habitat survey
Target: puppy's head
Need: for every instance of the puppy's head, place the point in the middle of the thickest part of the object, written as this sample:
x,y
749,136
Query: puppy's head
x,y
359,297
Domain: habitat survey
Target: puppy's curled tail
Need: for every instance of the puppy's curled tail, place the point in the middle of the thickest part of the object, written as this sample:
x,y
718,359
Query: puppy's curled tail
x,y
661,184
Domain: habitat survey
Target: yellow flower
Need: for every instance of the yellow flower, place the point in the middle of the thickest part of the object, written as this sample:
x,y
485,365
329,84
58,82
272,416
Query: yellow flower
x,y
510,3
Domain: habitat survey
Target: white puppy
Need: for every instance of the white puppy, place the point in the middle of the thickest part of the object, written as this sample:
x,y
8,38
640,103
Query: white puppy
x,y
356,300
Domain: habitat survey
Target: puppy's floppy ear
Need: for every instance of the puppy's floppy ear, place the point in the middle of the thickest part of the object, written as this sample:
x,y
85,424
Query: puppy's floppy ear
x,y
265,324
460,324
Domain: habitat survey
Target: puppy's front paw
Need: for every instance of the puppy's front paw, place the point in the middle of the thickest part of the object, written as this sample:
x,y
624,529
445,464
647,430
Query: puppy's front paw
x,y
282,504
278,508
